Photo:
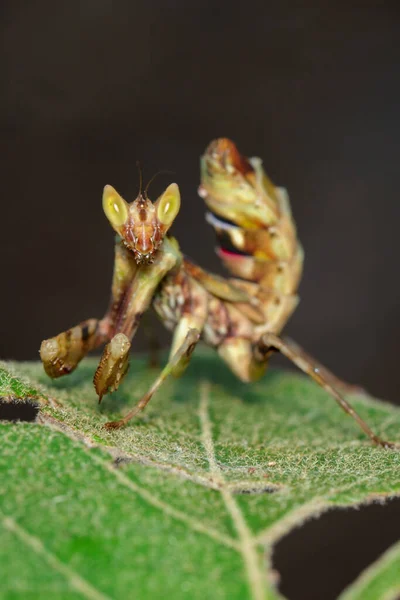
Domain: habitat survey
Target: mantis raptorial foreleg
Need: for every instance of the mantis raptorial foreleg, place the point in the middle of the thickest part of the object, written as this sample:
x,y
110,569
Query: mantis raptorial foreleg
x,y
113,365
269,342
135,301
62,353
186,336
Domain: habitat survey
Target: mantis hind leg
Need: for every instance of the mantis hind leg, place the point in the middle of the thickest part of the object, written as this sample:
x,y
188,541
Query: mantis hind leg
x,y
62,354
270,342
342,386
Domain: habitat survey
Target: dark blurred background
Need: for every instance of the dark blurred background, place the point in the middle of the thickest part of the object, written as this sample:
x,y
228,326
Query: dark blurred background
x,y
314,89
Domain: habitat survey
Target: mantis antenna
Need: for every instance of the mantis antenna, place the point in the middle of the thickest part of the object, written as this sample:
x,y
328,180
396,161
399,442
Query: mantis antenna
x,y
163,171
139,168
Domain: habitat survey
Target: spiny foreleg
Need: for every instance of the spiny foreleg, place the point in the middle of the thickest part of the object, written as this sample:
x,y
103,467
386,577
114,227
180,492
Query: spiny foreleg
x,y
113,365
186,335
136,300
62,354
270,342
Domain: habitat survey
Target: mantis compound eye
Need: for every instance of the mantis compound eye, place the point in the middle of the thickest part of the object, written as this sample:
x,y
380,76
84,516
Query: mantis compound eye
x,y
168,205
115,207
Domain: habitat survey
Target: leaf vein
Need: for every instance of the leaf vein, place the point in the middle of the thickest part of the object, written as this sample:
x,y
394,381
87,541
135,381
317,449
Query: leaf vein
x,y
76,581
164,507
257,579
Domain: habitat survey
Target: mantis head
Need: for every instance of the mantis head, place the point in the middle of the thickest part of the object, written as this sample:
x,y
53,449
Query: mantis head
x,y
142,224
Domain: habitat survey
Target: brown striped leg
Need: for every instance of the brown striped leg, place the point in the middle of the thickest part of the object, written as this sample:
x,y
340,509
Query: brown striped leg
x,y
175,366
61,354
113,365
270,341
127,314
186,336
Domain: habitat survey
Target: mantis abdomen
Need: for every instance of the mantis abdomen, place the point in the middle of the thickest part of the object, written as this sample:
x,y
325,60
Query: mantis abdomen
x,y
256,234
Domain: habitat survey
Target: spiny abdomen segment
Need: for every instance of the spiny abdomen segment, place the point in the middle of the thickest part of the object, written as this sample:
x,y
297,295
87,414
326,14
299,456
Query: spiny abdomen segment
x,y
256,234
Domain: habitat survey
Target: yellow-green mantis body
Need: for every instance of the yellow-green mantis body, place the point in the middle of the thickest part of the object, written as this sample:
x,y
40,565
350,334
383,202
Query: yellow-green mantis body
x,y
241,317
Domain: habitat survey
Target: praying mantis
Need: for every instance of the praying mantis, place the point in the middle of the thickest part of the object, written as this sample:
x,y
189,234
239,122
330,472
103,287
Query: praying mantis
x,y
241,317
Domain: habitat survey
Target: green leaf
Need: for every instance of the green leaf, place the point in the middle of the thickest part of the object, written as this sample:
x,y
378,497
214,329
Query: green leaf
x,y
187,500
